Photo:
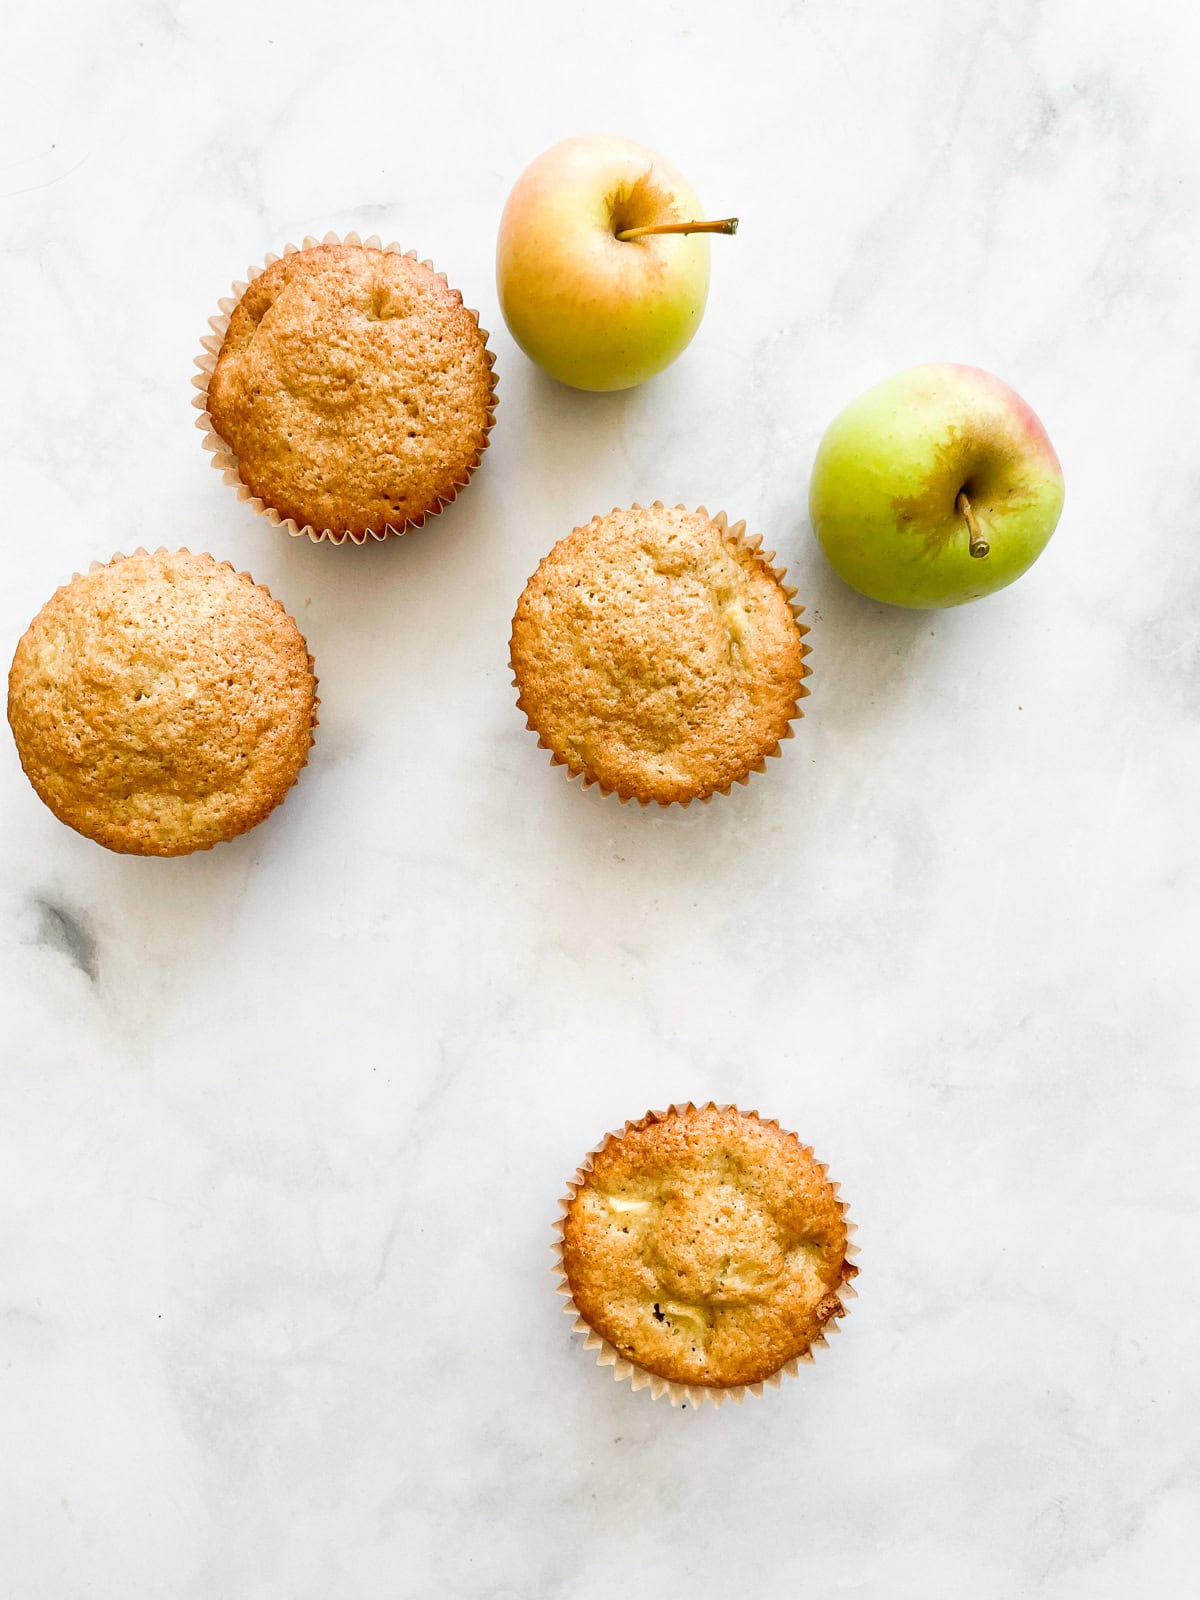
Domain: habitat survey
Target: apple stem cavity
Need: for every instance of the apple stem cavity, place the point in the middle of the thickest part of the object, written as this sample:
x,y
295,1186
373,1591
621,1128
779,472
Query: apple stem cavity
x,y
979,545
720,225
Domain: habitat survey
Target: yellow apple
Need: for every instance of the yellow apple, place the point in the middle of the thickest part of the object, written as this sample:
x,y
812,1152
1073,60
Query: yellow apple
x,y
602,262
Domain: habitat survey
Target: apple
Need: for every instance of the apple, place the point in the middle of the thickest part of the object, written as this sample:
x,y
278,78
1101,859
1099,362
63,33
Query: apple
x,y
602,262
935,487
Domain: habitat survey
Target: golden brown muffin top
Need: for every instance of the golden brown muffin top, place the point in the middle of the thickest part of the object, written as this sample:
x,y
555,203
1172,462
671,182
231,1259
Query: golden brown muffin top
x,y
162,703
655,651
707,1246
354,388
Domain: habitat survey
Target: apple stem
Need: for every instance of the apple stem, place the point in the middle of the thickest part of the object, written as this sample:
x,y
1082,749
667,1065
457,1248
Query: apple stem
x,y
979,545
721,225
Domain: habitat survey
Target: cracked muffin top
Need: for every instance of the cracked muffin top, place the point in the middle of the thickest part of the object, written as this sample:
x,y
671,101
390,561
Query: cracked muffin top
x,y
707,1246
162,703
354,389
656,652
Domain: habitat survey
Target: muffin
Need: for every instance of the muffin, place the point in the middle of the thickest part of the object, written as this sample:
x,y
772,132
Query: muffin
x,y
351,391
162,703
704,1249
657,652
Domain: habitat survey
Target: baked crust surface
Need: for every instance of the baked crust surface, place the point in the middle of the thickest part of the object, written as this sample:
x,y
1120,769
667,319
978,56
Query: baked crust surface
x,y
708,1247
162,703
354,388
656,652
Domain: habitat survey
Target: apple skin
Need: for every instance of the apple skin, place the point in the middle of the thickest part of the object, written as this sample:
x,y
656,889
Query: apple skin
x,y
888,472
598,312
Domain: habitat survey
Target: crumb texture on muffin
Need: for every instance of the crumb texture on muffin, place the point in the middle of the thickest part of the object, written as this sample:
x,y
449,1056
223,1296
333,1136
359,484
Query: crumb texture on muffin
x,y
656,651
707,1246
162,703
354,389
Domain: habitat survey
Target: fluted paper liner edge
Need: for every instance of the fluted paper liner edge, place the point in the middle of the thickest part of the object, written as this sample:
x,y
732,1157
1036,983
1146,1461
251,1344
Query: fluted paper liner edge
x,y
224,459
766,559
681,1394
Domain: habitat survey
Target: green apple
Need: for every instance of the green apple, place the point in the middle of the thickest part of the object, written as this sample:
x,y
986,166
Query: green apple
x,y
935,487
602,262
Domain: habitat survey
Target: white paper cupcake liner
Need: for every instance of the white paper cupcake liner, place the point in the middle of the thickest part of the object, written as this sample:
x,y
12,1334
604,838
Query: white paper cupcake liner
x,y
624,1370
766,559
225,460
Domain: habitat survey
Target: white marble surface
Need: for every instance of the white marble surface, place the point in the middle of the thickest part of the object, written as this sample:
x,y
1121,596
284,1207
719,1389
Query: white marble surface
x,y
282,1126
